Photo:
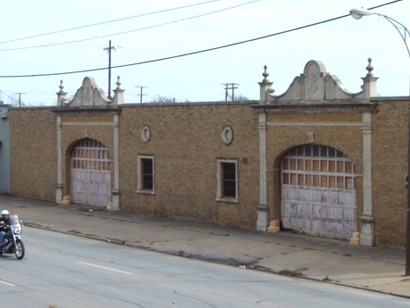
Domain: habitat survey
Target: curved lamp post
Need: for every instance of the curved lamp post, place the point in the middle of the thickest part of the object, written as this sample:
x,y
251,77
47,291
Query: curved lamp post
x,y
403,31
404,34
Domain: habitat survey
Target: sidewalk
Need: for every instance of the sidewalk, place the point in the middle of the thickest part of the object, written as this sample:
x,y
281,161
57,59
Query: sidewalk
x,y
332,261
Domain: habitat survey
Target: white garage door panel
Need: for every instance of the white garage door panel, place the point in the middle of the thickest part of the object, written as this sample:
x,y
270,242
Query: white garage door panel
x,y
328,214
90,174
318,195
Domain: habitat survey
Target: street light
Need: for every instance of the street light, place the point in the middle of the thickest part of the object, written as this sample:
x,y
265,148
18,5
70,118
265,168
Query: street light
x,y
404,34
403,31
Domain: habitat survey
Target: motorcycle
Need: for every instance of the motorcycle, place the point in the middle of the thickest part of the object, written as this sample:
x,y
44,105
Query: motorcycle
x,y
14,243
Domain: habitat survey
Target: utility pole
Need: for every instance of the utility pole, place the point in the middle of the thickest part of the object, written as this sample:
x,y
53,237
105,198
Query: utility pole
x,y
109,48
232,87
141,95
19,94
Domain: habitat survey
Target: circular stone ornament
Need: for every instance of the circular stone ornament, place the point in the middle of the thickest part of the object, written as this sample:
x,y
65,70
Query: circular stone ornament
x,y
146,134
227,135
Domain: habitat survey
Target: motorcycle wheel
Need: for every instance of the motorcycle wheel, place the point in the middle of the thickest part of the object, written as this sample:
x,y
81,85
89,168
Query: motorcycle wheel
x,y
19,250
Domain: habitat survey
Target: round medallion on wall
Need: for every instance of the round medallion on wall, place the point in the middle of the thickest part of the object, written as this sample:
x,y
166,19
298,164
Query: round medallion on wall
x,y
227,135
146,133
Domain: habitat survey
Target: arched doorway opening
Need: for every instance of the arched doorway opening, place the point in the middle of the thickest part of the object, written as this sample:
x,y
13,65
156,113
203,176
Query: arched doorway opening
x,y
318,192
90,170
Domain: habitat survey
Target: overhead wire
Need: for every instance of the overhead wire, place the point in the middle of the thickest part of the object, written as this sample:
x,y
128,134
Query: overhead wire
x,y
106,22
129,31
193,52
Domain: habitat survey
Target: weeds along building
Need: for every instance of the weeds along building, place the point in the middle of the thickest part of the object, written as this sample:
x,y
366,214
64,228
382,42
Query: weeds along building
x,y
315,159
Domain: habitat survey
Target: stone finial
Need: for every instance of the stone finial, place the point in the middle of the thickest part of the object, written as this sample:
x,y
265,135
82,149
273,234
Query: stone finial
x,y
369,87
118,83
265,87
265,74
369,68
61,86
118,93
61,95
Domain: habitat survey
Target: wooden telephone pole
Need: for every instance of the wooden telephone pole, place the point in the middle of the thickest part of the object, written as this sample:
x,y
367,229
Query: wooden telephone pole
x,y
19,94
232,87
141,95
109,48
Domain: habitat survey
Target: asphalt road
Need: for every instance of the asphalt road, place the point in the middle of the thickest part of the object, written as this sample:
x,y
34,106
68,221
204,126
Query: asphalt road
x,y
61,270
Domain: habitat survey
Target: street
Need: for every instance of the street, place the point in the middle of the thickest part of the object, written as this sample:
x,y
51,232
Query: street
x,y
61,270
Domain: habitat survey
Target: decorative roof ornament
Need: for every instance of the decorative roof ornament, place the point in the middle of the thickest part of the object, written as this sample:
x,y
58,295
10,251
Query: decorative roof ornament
x,y
369,68
61,86
118,83
90,95
118,93
62,99
265,87
265,74
369,87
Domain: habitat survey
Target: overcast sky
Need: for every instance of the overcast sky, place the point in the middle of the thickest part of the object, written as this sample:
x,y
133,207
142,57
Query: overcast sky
x,y
144,30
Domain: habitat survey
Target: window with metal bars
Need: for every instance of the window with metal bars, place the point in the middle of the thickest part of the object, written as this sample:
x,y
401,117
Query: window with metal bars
x,y
227,180
146,174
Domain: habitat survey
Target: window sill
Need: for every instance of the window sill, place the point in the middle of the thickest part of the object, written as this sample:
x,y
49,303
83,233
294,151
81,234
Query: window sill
x,y
227,200
146,192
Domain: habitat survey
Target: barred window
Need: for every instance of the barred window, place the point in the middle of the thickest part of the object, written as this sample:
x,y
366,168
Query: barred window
x,y
146,174
227,177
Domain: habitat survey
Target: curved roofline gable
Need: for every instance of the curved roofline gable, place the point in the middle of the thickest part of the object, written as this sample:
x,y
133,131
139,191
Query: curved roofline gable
x,y
89,94
315,84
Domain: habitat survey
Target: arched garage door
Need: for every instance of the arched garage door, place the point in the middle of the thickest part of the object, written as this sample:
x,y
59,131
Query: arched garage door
x,y
318,194
90,173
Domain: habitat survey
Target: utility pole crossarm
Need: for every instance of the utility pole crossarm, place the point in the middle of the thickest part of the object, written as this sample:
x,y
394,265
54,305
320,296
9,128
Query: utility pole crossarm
x,y
230,86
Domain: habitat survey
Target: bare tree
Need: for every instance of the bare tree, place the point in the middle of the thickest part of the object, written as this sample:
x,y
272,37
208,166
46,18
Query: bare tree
x,y
241,98
163,99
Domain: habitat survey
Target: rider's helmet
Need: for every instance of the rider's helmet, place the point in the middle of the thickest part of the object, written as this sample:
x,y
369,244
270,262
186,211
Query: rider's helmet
x,y
5,213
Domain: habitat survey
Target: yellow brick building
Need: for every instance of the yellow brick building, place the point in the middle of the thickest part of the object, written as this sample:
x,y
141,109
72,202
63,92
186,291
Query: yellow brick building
x,y
316,159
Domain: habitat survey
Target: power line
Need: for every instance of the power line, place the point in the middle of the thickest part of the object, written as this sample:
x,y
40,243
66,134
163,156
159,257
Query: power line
x,y
106,22
173,57
128,31
193,52
10,97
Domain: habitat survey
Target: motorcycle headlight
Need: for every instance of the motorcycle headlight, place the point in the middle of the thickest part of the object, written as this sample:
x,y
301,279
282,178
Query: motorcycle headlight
x,y
16,229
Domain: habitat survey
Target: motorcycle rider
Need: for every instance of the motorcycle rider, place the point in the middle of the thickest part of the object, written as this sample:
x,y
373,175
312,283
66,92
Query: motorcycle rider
x,y
5,229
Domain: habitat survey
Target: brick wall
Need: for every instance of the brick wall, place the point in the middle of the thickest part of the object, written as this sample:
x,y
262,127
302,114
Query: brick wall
x,y
186,143
341,131
389,167
32,153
